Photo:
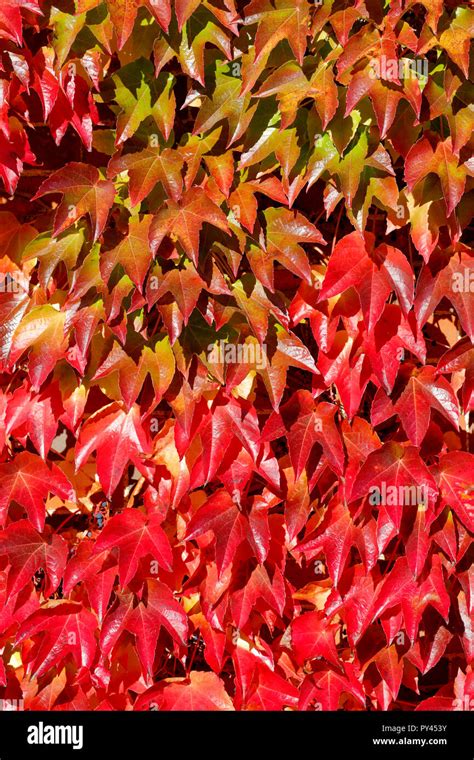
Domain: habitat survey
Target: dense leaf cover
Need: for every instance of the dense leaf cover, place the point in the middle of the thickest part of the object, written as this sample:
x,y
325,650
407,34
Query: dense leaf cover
x,y
236,325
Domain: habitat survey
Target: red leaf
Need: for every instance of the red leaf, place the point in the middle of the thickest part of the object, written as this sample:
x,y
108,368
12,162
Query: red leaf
x,y
395,476
312,637
135,537
118,437
28,480
323,691
63,627
201,691
258,588
423,391
456,476
390,667
399,585
273,692
418,543
145,621
27,552
353,249
220,515
337,535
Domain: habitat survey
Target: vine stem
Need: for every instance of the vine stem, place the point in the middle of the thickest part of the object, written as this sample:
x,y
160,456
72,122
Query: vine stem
x,y
155,326
374,220
337,226
321,213
410,250
188,667
392,556
69,517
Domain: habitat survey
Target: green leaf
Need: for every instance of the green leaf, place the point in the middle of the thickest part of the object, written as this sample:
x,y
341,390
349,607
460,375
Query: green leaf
x,y
225,103
51,251
42,330
140,96
350,168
